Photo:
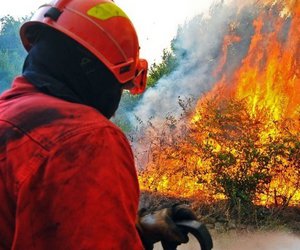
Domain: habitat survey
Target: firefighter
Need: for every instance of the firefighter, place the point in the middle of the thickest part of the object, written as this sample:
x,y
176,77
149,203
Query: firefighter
x,y
67,174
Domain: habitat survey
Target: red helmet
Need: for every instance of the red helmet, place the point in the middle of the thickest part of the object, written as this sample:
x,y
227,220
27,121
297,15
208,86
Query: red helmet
x,y
102,28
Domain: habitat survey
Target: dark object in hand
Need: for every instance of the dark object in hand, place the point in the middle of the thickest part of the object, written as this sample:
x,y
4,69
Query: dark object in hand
x,y
197,229
171,226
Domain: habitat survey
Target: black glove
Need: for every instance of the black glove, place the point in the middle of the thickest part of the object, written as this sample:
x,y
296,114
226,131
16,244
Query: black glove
x,y
160,226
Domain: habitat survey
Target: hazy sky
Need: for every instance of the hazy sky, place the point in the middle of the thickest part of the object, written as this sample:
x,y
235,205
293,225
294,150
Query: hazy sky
x,y
156,21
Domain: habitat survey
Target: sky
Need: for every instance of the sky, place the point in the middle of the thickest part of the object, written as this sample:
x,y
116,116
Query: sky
x,y
156,21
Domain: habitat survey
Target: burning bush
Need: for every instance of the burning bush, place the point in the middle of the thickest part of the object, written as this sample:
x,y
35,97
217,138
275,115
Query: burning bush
x,y
226,153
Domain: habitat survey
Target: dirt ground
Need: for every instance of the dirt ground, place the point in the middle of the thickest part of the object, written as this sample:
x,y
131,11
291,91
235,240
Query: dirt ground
x,y
247,241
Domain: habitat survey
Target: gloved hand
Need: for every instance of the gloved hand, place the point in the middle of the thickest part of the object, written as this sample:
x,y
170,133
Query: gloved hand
x,y
160,226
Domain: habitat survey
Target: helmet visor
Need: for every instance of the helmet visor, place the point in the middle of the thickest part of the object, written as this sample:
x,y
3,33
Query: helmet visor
x,y
140,79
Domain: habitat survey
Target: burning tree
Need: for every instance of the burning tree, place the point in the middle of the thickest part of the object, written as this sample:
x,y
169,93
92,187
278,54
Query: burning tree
x,y
224,152
241,142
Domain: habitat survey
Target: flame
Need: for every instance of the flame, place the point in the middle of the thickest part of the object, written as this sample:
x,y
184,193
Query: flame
x,y
269,75
253,112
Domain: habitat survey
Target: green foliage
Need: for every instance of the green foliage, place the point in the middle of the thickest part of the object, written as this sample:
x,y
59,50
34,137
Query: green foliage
x,y
167,65
12,53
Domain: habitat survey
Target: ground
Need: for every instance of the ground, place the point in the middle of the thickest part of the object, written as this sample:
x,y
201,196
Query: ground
x,y
277,232
258,240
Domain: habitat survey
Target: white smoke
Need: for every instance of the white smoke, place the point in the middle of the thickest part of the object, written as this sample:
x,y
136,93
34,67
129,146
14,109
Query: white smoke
x,y
198,46
198,50
258,241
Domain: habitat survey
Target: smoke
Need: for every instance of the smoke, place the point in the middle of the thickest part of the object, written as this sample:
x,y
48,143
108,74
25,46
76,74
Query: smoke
x,y
248,241
258,241
198,49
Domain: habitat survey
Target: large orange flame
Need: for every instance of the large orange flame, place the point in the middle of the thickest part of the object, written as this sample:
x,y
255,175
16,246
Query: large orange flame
x,y
269,74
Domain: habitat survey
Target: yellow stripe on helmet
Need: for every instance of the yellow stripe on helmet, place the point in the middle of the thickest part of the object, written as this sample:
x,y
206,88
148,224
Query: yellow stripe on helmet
x,y
105,11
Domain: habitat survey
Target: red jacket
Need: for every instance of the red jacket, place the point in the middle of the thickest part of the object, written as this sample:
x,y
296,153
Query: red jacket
x,y
67,176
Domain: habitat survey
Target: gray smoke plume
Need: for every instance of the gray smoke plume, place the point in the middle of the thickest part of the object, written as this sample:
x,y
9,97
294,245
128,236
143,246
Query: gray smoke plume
x,y
198,49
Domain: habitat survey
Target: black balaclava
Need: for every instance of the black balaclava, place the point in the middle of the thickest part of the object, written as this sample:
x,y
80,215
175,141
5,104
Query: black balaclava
x,y
59,66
